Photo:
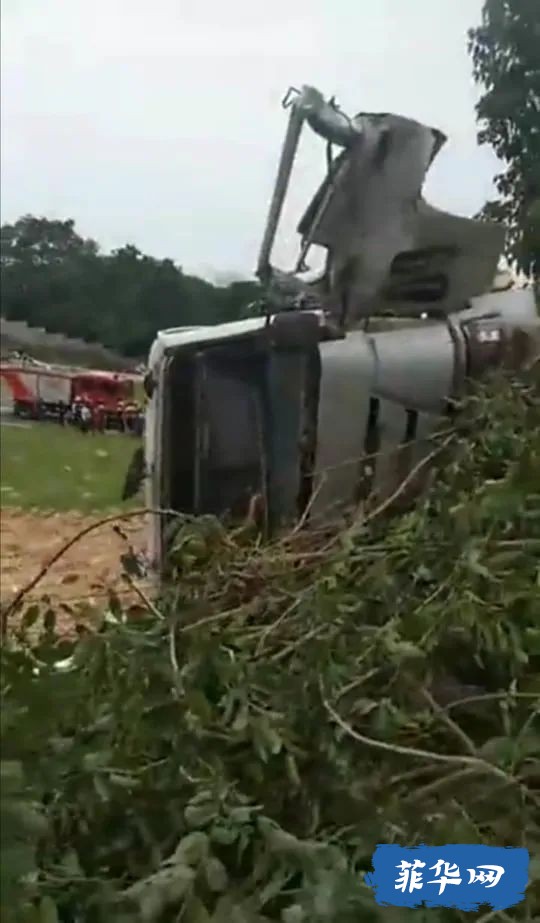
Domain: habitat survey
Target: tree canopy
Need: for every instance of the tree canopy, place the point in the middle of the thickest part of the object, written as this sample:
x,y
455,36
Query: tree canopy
x,y
505,50
54,278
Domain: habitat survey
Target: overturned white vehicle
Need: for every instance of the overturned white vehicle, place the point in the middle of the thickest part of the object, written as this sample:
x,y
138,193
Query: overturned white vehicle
x,y
286,406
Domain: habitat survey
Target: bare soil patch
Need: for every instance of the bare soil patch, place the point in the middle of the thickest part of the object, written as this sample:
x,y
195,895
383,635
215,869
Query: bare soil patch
x,y
84,575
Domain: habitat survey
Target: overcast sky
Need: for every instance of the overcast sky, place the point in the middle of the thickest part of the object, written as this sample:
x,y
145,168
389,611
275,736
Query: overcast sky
x,y
158,122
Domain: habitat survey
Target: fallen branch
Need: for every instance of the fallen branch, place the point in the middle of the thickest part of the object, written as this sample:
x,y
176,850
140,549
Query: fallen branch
x,y
449,759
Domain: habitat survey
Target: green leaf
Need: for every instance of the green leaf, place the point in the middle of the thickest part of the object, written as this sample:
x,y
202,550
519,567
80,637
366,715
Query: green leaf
x,y
196,912
17,858
199,815
241,815
292,771
192,848
499,750
49,620
124,781
216,875
364,706
240,722
475,565
223,835
198,704
266,739
47,911
534,869
11,775
294,914
274,887
95,761
30,616
70,863
30,817
404,650
102,789
532,641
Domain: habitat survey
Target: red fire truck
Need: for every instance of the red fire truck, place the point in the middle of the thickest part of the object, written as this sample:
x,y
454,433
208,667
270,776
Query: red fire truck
x,y
40,391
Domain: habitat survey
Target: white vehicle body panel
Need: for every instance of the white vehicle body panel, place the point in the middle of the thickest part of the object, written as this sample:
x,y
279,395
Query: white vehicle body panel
x,y
53,388
409,370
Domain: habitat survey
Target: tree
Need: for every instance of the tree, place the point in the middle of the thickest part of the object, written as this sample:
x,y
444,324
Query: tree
x,y
505,51
39,241
43,264
54,278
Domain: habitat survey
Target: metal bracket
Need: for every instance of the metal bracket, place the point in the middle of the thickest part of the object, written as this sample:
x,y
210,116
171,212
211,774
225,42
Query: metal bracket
x,y
288,99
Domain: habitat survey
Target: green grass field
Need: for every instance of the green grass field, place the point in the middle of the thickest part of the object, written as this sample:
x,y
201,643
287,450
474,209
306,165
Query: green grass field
x,y
48,467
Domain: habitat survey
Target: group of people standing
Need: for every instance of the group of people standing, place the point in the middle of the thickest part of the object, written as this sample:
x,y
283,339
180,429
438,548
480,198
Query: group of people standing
x,y
132,418
95,418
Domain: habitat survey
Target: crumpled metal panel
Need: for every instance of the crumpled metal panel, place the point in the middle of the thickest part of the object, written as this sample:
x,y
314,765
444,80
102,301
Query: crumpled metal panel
x,y
375,214
387,248
372,213
383,172
462,250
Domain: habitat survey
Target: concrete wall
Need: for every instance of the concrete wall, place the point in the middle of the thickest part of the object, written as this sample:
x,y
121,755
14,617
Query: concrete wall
x,y
55,347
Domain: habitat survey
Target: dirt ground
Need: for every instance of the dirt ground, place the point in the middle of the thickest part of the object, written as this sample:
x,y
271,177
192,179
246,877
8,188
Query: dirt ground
x,y
83,576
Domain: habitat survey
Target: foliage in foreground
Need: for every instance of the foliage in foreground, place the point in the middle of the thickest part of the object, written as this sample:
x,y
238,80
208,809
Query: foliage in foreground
x,y
236,755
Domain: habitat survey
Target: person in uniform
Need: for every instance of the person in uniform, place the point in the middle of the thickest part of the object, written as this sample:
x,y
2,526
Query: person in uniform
x,y
76,412
129,413
86,418
62,411
100,417
120,410
139,423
